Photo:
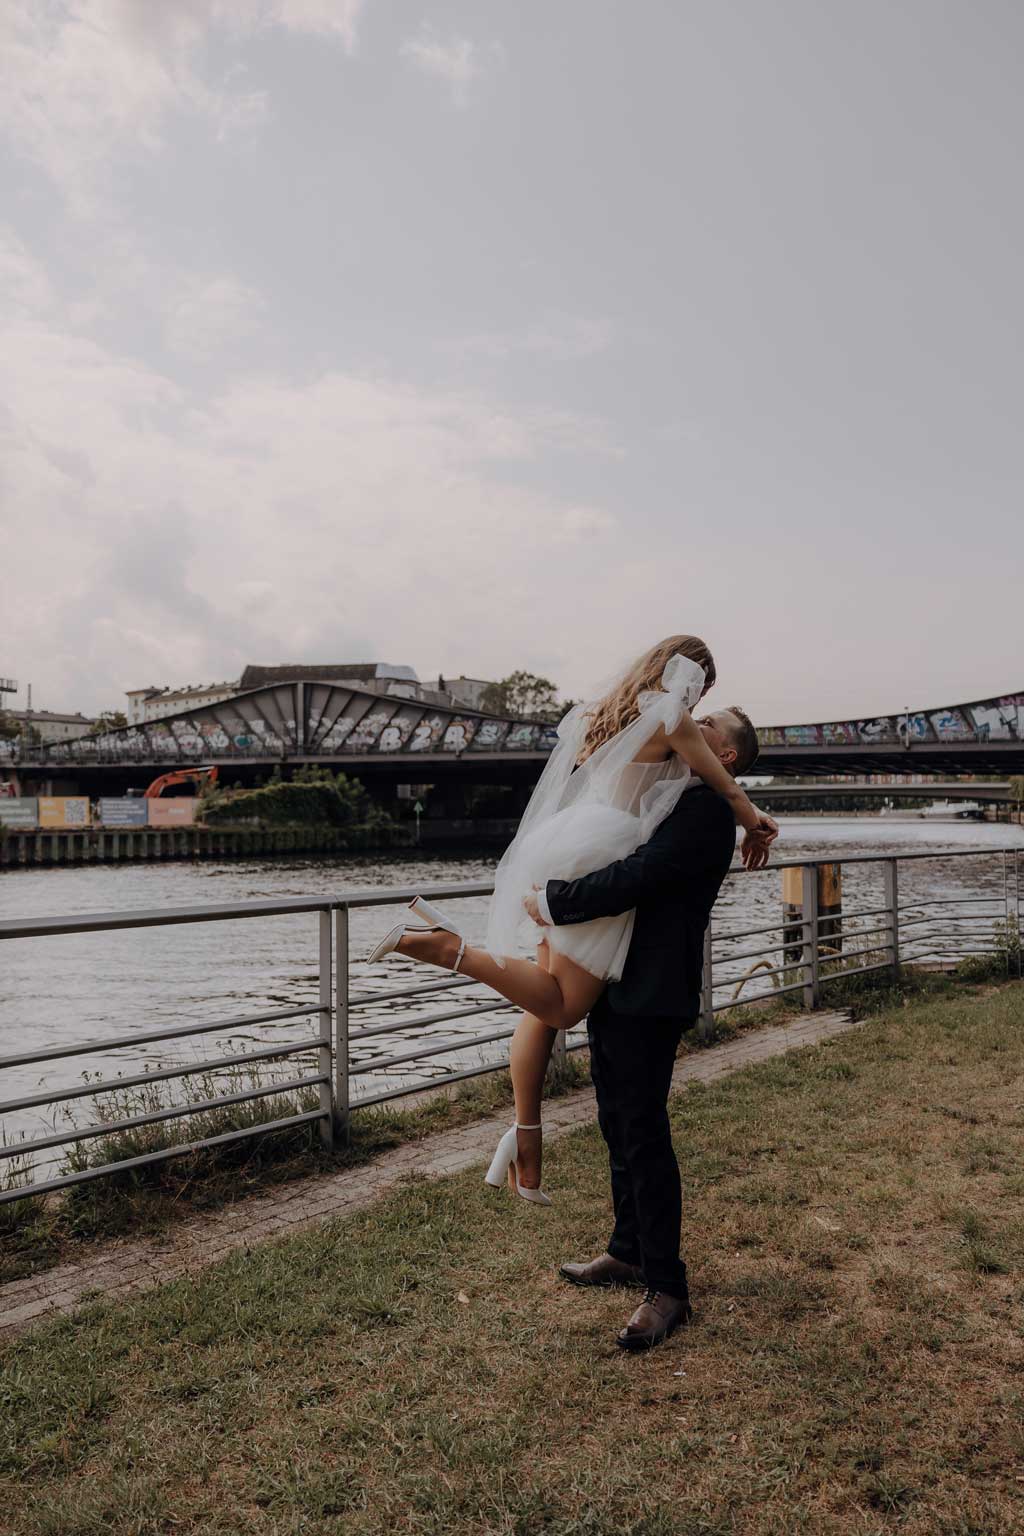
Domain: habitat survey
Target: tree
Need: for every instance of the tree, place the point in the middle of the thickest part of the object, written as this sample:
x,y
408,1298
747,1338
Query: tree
x,y
523,695
9,727
314,796
109,720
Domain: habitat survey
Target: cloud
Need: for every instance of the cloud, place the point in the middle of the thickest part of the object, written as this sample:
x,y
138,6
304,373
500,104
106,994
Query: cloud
x,y
210,315
458,62
583,522
556,337
316,18
83,81
24,286
276,518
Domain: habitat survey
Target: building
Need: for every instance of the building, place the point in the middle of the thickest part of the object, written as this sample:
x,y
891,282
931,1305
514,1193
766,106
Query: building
x,y
377,676
48,724
467,691
153,703
391,679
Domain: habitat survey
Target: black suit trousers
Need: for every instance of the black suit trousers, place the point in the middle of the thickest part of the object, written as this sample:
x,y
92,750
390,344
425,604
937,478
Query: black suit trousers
x,y
631,1060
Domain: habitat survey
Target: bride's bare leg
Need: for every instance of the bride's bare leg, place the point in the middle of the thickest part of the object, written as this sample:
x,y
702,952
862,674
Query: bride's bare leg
x,y
558,997
528,1057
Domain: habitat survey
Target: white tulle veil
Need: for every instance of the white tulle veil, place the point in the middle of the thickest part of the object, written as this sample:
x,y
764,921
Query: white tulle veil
x,y
563,784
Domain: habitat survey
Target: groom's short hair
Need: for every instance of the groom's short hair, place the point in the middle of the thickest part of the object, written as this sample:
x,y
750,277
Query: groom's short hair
x,y
744,739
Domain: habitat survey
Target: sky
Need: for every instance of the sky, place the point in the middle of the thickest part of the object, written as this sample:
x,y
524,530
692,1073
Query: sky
x,y
482,336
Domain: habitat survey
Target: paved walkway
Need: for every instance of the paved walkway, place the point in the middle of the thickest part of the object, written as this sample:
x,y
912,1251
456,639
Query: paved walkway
x,y
129,1265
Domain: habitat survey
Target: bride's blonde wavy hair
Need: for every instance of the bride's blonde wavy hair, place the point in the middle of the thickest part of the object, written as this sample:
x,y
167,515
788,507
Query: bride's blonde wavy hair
x,y
621,707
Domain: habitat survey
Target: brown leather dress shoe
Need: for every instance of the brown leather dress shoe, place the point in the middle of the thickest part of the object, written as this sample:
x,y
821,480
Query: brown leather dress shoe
x,y
655,1318
604,1271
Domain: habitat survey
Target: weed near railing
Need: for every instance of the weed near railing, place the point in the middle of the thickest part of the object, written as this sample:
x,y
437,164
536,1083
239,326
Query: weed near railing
x,y
39,1232
16,1173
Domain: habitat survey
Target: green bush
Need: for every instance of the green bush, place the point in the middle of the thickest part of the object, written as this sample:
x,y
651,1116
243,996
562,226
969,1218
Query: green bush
x,y
314,797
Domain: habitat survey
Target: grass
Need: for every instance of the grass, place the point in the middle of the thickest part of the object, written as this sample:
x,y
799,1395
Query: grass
x,y
39,1233
854,1227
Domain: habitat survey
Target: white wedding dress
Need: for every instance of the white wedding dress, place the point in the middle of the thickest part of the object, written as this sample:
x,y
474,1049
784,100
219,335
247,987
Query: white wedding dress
x,y
581,818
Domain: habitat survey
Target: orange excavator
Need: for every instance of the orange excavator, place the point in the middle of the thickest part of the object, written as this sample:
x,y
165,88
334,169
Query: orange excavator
x,y
202,777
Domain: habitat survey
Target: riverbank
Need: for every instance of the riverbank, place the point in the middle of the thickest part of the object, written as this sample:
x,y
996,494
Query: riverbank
x,y
103,846
97,845
855,1236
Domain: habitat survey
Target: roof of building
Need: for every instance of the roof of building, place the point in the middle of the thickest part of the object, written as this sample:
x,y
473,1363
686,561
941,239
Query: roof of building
x,y
167,692
174,693
322,672
28,715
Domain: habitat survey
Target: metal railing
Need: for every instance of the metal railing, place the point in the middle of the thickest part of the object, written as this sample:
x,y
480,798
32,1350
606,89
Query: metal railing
x,y
796,955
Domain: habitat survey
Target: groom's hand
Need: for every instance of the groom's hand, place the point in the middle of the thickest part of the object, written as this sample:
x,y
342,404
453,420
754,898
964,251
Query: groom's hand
x,y
767,828
530,903
754,851
757,843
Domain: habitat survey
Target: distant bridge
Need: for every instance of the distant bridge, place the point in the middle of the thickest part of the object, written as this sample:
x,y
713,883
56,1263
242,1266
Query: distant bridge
x,y
388,739
989,794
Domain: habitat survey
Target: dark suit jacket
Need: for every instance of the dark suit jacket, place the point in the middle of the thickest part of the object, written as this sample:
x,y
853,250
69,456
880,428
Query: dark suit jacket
x,y
673,882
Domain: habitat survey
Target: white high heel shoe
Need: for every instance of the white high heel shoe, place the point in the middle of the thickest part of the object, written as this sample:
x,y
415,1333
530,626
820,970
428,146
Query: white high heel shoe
x,y
505,1158
435,922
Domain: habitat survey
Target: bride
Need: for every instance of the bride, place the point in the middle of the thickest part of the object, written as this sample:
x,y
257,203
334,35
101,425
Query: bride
x,y
619,768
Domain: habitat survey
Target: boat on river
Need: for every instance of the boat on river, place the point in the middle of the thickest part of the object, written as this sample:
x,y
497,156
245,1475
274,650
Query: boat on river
x,y
953,810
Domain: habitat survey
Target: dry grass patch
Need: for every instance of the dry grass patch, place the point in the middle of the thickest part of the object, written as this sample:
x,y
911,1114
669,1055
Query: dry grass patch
x,y
857,1365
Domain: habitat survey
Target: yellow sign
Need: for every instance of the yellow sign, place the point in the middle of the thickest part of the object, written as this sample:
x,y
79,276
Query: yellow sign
x,y
68,811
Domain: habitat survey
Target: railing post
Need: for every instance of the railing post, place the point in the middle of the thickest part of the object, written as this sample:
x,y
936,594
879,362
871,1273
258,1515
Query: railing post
x,y
706,1023
558,1050
1006,912
1017,908
890,876
341,1015
811,954
324,1054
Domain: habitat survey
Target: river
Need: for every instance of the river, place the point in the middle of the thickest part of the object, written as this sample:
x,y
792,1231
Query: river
x,y
100,985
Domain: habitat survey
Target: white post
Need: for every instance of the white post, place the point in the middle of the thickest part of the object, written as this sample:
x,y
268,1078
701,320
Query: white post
x,y
341,1010
890,876
324,1053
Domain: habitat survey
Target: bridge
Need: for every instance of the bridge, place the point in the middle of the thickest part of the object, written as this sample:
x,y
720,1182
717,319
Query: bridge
x,y
389,738
781,791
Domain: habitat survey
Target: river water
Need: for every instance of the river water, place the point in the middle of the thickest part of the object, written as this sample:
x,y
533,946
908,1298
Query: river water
x,y
114,985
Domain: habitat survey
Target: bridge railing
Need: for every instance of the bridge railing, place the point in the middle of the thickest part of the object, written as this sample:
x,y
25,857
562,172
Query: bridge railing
x,y
360,1050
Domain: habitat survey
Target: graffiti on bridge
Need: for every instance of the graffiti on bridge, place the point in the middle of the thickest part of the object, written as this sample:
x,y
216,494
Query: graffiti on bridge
x,y
1000,719
240,729
262,724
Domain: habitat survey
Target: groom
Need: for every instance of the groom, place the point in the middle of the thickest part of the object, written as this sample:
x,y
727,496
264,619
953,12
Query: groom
x,y
636,1025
